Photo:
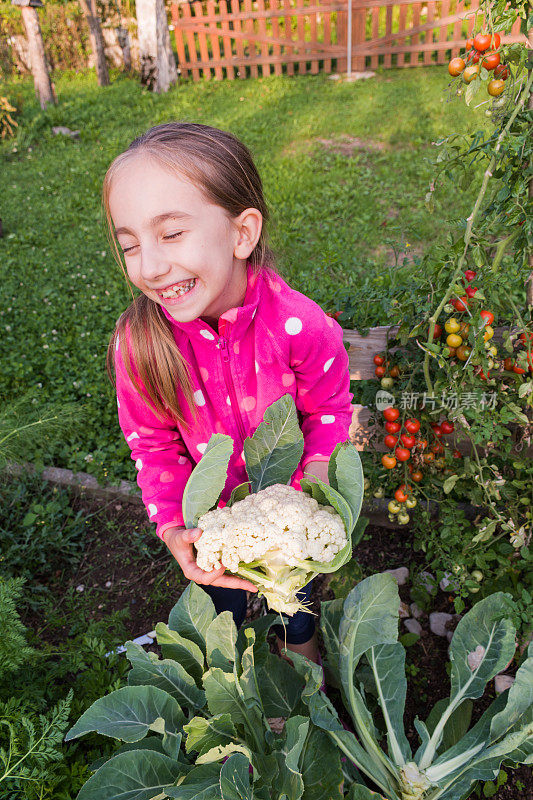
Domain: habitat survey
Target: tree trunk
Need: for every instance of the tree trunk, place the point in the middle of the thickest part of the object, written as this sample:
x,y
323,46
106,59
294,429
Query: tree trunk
x,y
90,13
158,67
39,67
123,39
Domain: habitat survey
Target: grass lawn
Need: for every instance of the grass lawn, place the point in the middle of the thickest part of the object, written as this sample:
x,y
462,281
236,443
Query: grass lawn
x,y
345,168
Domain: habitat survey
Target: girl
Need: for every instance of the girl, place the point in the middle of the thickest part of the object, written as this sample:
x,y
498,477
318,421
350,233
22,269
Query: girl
x,y
215,336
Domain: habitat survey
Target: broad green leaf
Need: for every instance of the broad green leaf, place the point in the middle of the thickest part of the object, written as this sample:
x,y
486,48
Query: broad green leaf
x,y
388,666
330,618
201,783
129,714
149,743
203,734
192,615
165,674
180,649
359,529
239,493
290,781
207,479
350,478
273,453
332,467
487,629
260,627
457,725
136,775
321,768
222,751
519,700
330,497
235,783
360,792
221,638
281,686
223,696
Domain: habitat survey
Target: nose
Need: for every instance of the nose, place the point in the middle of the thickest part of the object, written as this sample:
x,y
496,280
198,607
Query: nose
x,y
154,265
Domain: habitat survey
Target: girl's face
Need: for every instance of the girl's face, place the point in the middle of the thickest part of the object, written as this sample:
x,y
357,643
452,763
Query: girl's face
x,y
179,249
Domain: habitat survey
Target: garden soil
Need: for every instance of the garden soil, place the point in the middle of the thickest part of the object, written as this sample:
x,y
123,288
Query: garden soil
x,y
141,581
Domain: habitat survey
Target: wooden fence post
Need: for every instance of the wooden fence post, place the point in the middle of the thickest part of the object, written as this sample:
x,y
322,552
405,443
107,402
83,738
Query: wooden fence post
x,y
38,65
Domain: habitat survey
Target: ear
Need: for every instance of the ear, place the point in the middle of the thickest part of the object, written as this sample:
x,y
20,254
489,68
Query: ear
x,y
249,225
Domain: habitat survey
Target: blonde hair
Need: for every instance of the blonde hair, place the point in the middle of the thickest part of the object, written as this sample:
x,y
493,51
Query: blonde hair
x,y
221,166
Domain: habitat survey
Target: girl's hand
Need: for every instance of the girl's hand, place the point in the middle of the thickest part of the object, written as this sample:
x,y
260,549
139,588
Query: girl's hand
x,y
179,541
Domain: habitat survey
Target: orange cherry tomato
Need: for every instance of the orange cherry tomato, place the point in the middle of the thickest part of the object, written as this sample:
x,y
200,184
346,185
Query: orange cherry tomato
x,y
394,372
416,476
422,444
496,88
471,72
427,458
402,454
491,61
495,40
389,462
482,42
456,66
391,414
469,44
463,352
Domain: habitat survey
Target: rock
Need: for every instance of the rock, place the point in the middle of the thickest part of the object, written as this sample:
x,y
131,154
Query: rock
x,y
428,582
438,621
108,584
413,626
503,682
61,130
404,611
80,588
400,575
415,611
449,583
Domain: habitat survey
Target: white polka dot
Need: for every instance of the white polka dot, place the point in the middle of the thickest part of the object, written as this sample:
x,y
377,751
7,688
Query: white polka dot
x,y
293,326
326,419
248,403
206,334
328,363
201,447
117,343
166,477
287,379
132,436
256,367
152,509
228,400
182,460
255,312
199,398
118,403
139,464
204,373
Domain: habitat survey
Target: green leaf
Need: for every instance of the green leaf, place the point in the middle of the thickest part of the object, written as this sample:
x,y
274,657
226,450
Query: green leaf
x,y
129,714
360,792
321,783
201,783
235,779
166,674
350,478
273,453
281,687
222,751
180,649
519,700
192,615
204,734
239,493
449,483
330,617
221,638
457,725
387,663
207,479
223,696
290,781
135,775
332,467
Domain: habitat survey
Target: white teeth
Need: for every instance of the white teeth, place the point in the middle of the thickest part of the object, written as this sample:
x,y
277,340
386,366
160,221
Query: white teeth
x,y
178,289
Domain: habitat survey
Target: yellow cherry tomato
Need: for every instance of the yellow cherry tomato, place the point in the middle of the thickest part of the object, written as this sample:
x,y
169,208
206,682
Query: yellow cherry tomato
x,y
493,350
453,340
410,502
452,325
496,88
394,507
489,333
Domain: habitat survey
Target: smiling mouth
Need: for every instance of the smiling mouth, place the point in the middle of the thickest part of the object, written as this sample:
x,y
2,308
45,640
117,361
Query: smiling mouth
x,y
177,289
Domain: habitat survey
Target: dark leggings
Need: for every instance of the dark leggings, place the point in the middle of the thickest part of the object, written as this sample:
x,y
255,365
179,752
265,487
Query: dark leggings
x,y
298,629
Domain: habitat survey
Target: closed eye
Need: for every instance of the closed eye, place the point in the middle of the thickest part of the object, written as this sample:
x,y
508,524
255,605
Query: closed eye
x,y
173,235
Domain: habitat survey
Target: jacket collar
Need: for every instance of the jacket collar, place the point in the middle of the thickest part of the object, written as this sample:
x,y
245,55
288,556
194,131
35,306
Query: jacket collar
x,y
233,319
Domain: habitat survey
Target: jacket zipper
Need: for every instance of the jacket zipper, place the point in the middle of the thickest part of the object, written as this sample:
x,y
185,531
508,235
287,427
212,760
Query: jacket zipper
x,y
222,345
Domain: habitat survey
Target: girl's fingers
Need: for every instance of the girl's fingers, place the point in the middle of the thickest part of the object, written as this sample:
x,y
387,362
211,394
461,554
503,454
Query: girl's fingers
x,y
191,535
234,583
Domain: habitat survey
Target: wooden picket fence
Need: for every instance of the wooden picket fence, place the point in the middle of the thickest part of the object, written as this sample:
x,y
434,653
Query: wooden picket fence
x,y
238,38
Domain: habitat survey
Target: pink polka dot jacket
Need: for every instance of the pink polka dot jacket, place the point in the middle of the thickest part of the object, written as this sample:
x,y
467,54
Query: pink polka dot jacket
x,y
277,342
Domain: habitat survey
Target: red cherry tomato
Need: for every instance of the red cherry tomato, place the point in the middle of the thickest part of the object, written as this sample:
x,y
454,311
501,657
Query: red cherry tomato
x,y
408,440
447,427
460,303
391,414
524,337
469,44
518,370
437,430
501,72
422,444
508,364
395,371
378,360
412,425
470,274
393,427
482,42
491,61
487,317
470,291
402,454
427,458
416,476
379,372
389,462
400,496
390,441
495,40
457,454
437,332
